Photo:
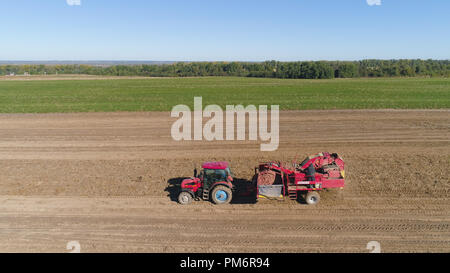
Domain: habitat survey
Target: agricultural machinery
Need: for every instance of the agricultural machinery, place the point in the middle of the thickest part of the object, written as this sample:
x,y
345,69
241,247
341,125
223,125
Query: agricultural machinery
x,y
271,180
213,183
315,173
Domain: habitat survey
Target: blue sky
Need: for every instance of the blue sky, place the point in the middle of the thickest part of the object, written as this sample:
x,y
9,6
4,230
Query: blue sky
x,y
209,30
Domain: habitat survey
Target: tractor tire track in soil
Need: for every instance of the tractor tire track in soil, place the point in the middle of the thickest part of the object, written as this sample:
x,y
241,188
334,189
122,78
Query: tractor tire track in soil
x,y
106,180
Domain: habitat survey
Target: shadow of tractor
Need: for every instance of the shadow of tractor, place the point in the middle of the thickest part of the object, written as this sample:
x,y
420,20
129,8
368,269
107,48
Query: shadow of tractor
x,y
241,195
174,187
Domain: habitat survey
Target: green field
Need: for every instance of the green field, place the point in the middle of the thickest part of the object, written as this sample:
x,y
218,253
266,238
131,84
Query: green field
x,y
161,94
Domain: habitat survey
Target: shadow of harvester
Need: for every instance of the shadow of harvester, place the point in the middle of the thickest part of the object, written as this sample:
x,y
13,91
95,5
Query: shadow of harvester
x,y
241,193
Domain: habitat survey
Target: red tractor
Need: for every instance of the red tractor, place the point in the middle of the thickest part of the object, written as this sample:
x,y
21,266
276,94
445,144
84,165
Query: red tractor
x,y
317,172
213,183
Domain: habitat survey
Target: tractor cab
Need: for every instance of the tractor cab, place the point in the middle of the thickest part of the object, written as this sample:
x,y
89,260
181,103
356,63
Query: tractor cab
x,y
213,172
214,182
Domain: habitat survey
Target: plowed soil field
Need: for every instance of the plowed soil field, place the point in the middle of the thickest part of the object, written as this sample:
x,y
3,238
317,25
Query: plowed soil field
x,y
107,180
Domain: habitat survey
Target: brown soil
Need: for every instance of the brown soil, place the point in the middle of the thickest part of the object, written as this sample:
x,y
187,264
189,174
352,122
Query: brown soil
x,y
103,179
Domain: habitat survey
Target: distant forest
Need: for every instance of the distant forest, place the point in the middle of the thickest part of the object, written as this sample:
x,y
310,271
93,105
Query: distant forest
x,y
268,69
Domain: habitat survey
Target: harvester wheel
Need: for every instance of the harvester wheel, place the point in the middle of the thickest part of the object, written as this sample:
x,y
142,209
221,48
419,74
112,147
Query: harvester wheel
x,y
312,198
184,198
221,195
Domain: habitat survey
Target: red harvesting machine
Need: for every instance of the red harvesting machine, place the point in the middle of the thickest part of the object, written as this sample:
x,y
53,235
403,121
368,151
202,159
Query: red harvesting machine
x,y
272,180
315,173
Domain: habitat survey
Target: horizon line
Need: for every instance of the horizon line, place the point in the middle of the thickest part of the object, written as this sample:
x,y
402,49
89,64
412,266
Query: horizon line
x,y
202,61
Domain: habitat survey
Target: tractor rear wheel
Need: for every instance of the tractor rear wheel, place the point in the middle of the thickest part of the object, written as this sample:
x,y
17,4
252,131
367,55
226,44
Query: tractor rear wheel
x,y
184,198
221,195
312,198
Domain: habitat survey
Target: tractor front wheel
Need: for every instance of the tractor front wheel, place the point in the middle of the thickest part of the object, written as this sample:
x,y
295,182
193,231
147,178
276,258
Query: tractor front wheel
x,y
312,198
184,198
221,195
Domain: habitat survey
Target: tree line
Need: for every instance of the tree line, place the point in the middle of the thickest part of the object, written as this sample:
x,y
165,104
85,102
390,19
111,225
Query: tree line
x,y
267,69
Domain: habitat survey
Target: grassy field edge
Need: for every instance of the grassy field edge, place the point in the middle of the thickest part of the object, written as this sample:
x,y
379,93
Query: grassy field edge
x,y
161,94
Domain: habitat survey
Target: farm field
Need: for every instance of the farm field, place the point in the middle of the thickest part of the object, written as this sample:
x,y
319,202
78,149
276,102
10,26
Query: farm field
x,y
67,93
106,180
205,127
